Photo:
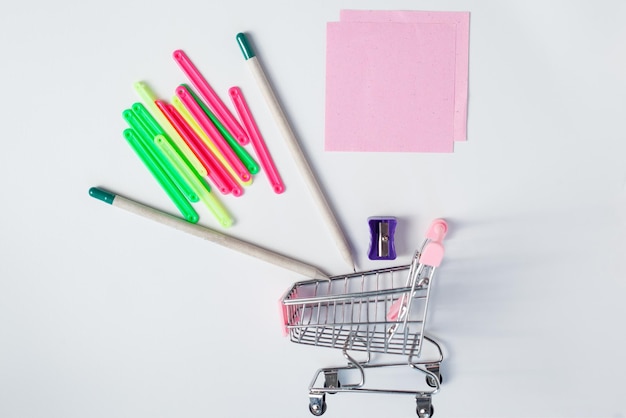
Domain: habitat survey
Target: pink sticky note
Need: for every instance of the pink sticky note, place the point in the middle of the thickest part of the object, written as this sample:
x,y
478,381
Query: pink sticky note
x,y
390,87
461,20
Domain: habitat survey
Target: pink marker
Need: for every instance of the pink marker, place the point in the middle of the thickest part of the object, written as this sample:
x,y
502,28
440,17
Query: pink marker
x,y
207,126
215,171
257,140
215,103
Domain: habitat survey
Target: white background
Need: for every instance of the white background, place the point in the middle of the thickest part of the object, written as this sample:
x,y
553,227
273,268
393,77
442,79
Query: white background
x,y
104,314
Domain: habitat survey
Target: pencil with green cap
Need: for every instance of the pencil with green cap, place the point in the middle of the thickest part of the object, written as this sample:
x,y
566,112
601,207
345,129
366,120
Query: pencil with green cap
x,y
294,148
207,233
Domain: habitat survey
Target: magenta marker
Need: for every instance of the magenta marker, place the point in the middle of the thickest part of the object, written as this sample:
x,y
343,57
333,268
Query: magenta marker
x,y
207,126
257,140
215,171
212,99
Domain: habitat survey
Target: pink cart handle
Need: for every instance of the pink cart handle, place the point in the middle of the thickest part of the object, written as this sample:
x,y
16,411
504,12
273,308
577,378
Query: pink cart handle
x,y
437,230
432,254
395,308
285,322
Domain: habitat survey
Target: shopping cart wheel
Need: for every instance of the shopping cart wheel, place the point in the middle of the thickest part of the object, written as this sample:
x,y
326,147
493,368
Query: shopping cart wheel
x,y
424,406
317,404
421,413
434,369
430,381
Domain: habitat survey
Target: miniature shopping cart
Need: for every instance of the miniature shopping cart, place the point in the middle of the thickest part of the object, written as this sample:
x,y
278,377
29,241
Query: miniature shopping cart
x,y
378,311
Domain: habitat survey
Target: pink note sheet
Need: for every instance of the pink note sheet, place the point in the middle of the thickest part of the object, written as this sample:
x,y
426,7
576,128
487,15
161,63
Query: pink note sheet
x,y
461,20
390,87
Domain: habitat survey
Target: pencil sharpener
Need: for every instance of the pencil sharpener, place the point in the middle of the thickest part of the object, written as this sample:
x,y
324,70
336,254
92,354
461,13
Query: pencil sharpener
x,y
382,230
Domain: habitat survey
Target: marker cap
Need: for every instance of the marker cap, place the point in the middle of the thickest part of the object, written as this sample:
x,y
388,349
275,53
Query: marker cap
x,y
246,49
103,195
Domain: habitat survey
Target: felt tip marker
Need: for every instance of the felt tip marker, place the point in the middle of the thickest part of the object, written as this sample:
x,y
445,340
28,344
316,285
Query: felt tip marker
x,y
161,176
145,134
148,97
196,145
203,190
207,126
215,103
223,164
257,140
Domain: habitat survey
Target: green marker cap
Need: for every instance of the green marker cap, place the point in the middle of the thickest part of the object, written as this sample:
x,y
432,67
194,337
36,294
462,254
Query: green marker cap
x,y
246,49
103,195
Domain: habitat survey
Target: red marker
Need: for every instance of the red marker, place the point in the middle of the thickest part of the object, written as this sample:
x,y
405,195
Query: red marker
x,y
257,140
212,99
207,126
216,172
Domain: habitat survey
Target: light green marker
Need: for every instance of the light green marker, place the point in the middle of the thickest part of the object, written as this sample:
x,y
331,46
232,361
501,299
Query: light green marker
x,y
161,176
145,133
200,186
148,98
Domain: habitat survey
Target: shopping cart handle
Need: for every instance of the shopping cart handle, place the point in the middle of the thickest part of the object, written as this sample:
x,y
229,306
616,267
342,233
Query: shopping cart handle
x,y
284,316
394,310
432,254
437,230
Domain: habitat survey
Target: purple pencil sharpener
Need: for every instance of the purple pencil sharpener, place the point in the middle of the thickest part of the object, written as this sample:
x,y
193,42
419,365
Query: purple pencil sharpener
x,y
382,231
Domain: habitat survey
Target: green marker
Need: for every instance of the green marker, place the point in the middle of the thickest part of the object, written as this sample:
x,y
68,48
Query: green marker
x,y
161,176
178,105
247,160
152,126
144,126
198,184
148,97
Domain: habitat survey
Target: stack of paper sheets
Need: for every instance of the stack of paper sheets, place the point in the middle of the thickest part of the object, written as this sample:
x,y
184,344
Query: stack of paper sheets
x,y
396,81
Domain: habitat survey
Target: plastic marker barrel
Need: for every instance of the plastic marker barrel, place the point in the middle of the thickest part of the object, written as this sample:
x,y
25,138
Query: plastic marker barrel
x,y
207,126
145,134
198,147
239,150
148,98
162,178
257,140
202,189
224,167
215,103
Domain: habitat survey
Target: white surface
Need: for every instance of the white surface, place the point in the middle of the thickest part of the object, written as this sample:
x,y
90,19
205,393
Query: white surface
x,y
104,314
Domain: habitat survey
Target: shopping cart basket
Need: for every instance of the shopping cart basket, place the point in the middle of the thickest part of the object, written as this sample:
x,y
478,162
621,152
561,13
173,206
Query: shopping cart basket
x,y
378,311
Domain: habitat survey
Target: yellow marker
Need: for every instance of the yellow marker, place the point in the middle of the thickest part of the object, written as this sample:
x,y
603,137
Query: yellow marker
x,y
205,138
201,188
148,97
